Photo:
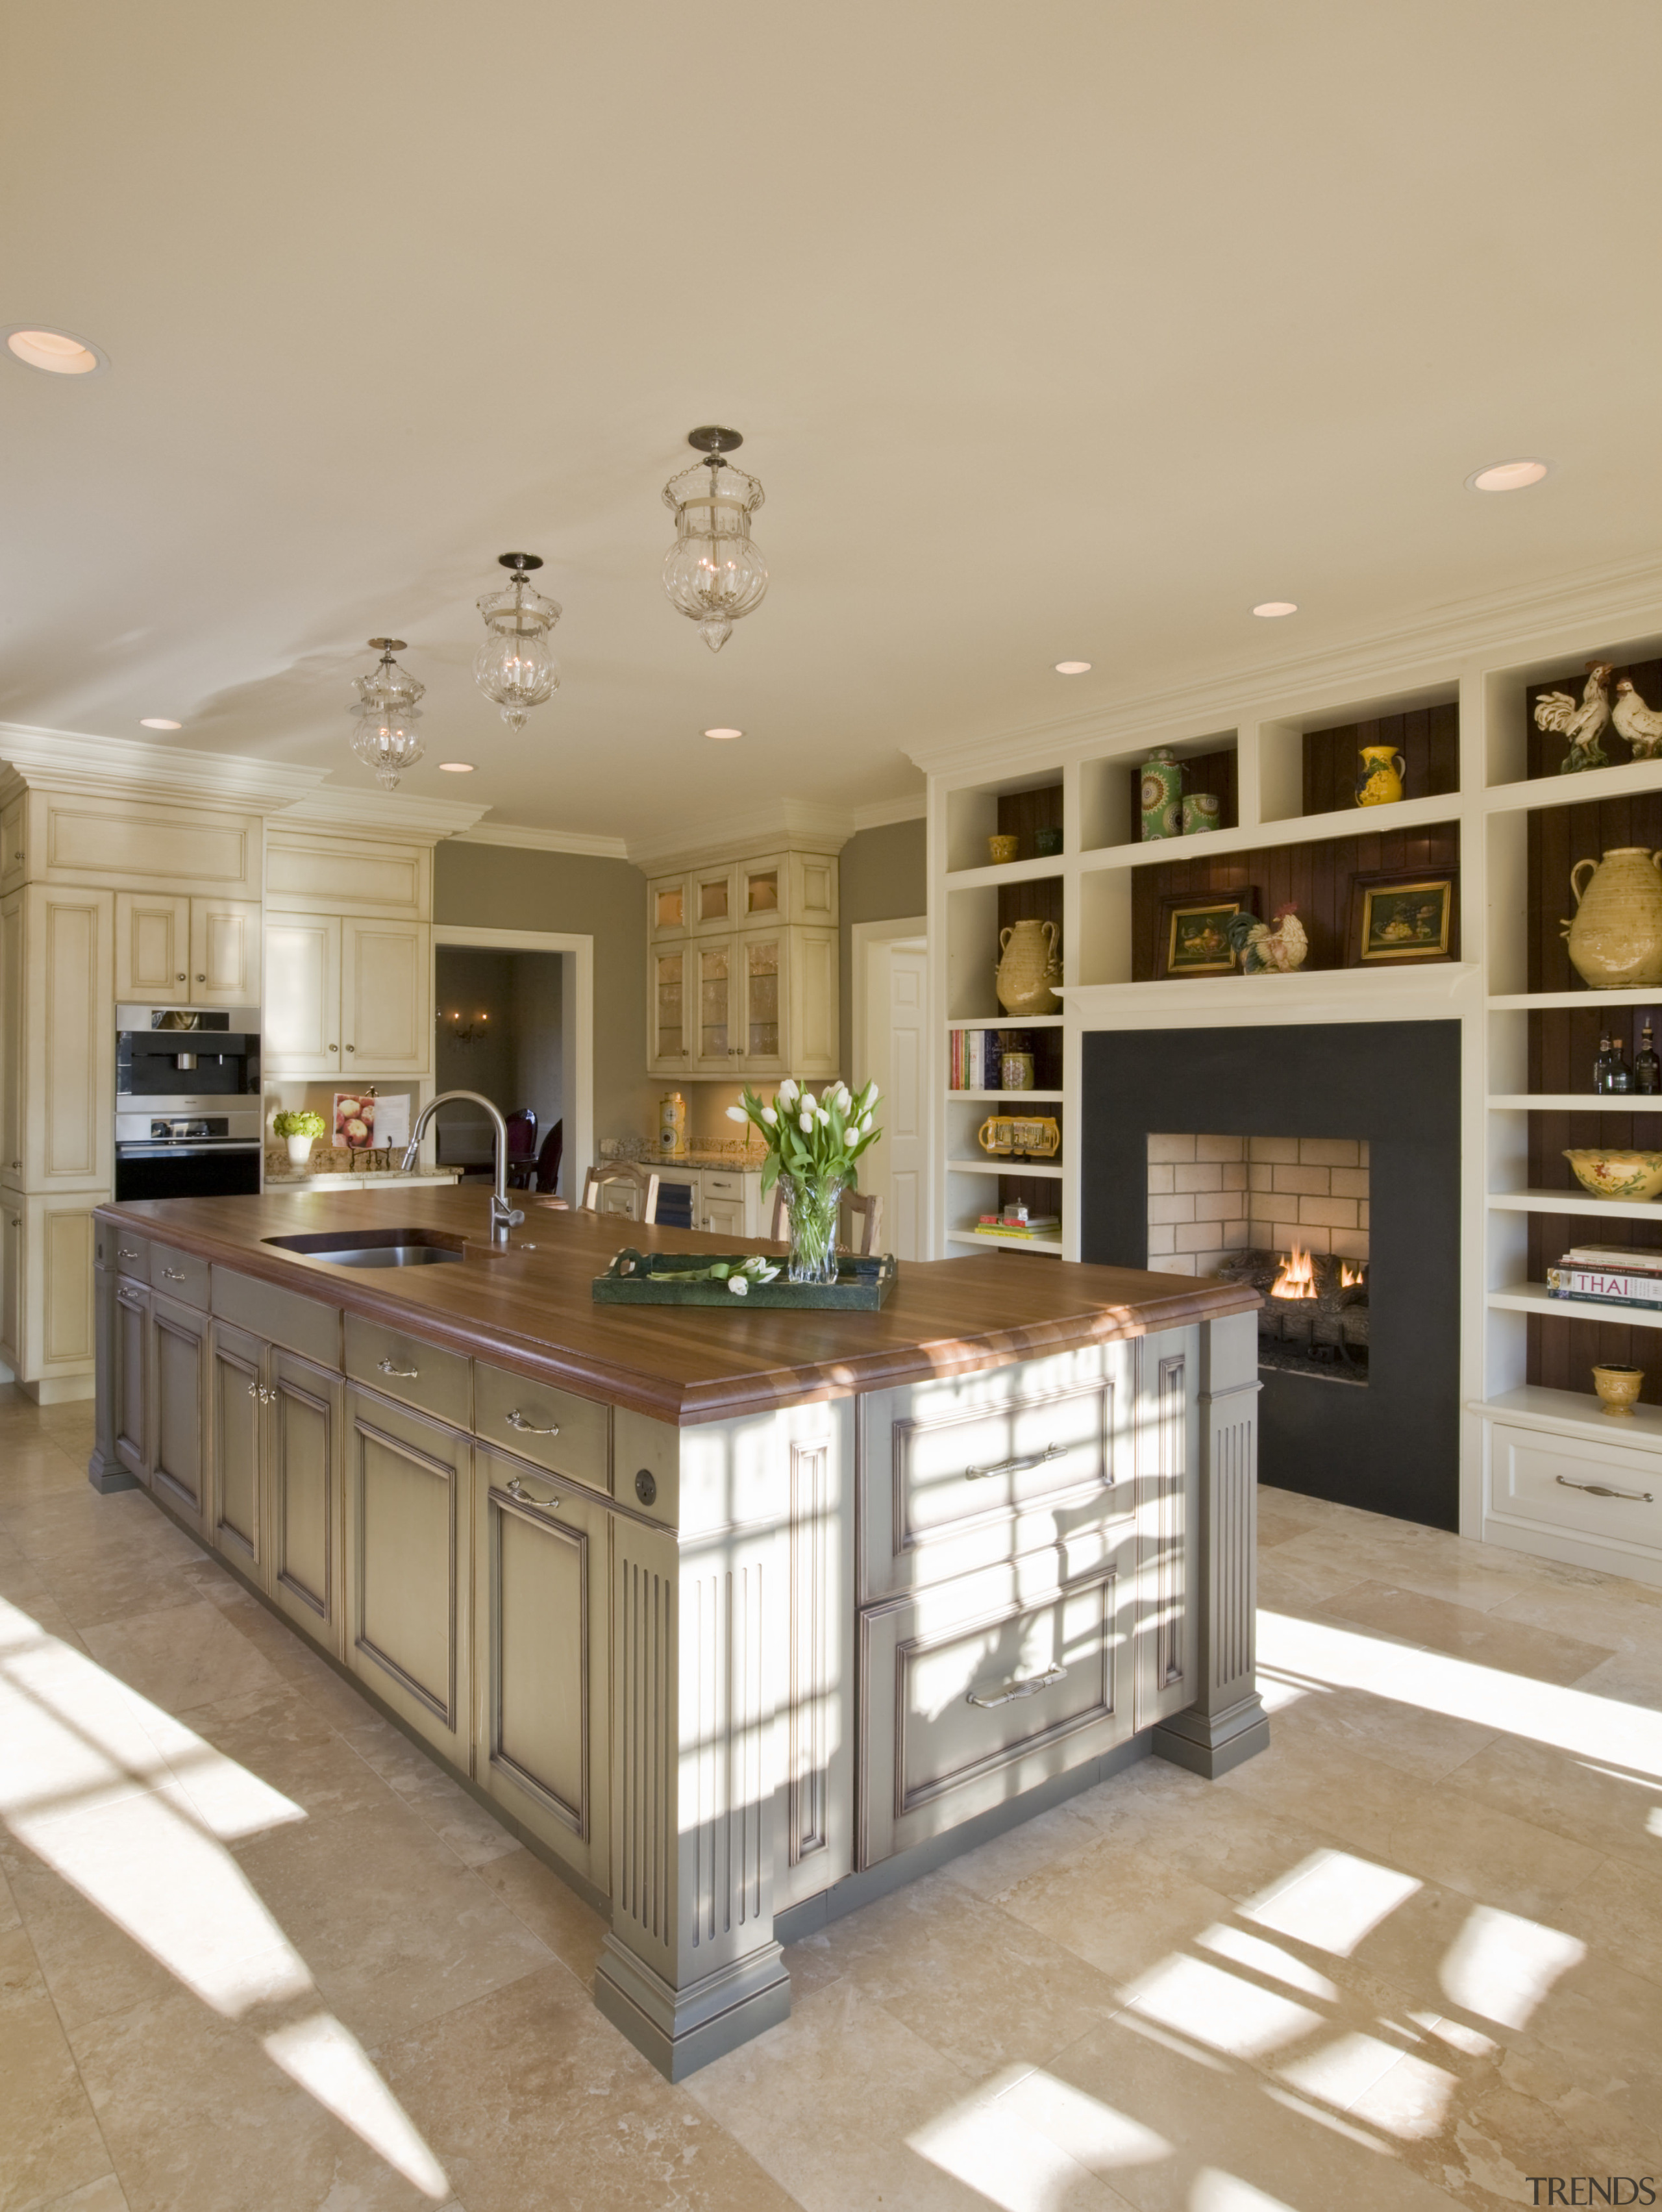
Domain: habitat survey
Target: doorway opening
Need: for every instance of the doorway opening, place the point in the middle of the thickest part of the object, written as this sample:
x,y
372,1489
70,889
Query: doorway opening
x,y
890,1037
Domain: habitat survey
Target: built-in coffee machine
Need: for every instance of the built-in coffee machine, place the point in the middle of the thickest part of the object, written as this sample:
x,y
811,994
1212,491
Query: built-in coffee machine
x,y
188,1106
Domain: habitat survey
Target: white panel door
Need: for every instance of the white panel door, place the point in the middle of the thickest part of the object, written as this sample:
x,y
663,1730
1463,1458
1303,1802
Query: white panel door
x,y
387,977
905,1124
152,946
302,1035
225,952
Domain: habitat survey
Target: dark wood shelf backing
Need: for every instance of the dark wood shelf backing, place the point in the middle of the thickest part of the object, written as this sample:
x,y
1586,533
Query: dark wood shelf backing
x,y
1558,837
1547,748
1429,740
1022,813
1040,900
1214,772
1038,1194
1563,1043
1315,878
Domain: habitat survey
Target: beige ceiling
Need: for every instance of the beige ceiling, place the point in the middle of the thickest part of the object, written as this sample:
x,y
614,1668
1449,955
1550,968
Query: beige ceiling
x,y
1054,329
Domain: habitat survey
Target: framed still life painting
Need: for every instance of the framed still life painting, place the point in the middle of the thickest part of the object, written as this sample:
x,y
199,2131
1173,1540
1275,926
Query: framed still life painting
x,y
1195,933
1402,916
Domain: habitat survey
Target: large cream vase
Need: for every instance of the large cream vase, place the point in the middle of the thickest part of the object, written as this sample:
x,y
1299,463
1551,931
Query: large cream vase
x,y
1029,968
1616,938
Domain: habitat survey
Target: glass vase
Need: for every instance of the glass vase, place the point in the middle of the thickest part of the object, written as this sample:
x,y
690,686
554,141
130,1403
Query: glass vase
x,y
811,1204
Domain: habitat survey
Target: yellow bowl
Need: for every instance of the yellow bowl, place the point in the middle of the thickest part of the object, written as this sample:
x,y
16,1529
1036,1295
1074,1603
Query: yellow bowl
x,y
1618,1174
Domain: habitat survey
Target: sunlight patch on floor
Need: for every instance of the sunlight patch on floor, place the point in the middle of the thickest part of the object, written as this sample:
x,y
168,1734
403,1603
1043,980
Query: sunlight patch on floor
x,y
1502,1968
329,2062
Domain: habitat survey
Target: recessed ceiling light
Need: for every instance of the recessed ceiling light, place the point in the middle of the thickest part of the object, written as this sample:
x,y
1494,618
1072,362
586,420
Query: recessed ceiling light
x,y
456,768
724,733
1270,609
60,353
158,723
1073,668
1507,476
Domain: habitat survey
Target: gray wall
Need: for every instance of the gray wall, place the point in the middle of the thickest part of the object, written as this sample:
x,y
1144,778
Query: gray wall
x,y
502,887
882,876
513,1058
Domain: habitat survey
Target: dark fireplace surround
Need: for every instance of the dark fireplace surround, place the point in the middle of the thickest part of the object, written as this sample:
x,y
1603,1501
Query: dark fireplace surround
x,y
1394,1447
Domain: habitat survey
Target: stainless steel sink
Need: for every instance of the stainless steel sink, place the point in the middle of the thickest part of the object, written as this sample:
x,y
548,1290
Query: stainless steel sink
x,y
375,1248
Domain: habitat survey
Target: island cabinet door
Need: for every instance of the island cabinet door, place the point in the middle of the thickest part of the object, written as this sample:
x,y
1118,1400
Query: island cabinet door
x,y
129,1393
237,1399
978,1690
408,1545
177,1381
542,1643
304,1488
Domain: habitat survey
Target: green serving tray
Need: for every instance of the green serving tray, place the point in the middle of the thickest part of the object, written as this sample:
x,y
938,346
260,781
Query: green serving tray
x,y
640,1279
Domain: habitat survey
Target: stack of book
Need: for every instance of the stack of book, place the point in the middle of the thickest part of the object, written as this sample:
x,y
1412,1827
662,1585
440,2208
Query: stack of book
x,y
1011,1229
1608,1275
976,1055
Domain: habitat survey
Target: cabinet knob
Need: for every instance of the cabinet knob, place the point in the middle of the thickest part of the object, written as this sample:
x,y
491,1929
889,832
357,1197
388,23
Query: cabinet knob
x,y
333,1048
179,978
352,1047
202,979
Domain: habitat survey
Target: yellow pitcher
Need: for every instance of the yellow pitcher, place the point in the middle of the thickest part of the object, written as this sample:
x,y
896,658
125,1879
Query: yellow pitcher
x,y
1379,775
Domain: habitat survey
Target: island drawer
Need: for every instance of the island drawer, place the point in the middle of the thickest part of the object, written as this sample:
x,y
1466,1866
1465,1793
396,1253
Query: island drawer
x,y
554,1428
403,1367
963,1472
180,1275
302,1325
129,1255
978,1691
1592,1488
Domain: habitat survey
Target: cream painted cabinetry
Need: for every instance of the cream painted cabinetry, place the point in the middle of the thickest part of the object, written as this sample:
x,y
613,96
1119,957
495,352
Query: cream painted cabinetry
x,y
542,1649
349,956
187,951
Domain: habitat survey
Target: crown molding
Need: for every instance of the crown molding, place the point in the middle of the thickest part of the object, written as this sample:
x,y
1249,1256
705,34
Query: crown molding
x,y
102,768
1619,599
802,823
376,813
882,812
517,835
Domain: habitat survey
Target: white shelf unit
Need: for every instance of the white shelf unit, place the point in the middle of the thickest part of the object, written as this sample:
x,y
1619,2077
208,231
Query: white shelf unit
x,y
1486,667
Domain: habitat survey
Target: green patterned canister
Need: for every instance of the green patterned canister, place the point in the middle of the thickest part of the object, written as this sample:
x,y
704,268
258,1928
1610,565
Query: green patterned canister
x,y
1161,794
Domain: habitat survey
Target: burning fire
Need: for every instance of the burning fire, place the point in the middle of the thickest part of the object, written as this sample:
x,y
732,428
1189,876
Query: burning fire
x,y
1297,1279
1352,1274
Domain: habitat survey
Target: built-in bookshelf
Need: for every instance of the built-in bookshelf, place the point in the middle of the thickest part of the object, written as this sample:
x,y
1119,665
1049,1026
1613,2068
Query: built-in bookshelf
x,y
1485,802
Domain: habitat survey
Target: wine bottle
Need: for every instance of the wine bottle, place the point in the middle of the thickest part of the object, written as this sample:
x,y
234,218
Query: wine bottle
x,y
1647,1067
1620,1075
1601,1065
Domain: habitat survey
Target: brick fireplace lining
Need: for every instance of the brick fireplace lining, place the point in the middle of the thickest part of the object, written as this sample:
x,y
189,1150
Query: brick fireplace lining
x,y
1209,1196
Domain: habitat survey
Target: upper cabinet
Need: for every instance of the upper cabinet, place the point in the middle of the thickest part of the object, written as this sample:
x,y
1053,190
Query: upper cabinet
x,y
741,968
187,951
349,956
121,843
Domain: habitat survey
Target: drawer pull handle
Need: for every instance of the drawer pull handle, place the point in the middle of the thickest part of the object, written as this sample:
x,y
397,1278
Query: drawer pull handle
x,y
134,1299
1014,1466
1019,1689
122,1251
403,1374
258,1391
171,1275
516,1419
517,1490
1604,1490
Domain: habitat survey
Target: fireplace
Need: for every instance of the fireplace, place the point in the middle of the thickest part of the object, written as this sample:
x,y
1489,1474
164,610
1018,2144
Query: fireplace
x,y
1288,1215
1250,1122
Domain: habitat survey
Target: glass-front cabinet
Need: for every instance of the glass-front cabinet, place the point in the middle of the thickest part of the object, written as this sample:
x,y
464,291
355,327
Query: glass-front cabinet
x,y
760,1030
669,1040
714,1052
711,896
666,907
761,892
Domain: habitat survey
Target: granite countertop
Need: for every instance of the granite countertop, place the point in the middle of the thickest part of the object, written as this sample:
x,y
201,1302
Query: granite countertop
x,y
529,1309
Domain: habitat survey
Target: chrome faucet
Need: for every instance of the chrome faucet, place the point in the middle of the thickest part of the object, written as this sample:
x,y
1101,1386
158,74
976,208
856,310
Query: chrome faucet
x,y
503,1217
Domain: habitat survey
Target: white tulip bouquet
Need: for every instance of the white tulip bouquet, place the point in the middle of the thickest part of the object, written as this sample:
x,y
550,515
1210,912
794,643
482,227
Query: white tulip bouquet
x,y
812,1145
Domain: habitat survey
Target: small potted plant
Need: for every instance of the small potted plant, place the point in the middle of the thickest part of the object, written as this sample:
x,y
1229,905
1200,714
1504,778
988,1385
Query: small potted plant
x,y
300,1132
812,1147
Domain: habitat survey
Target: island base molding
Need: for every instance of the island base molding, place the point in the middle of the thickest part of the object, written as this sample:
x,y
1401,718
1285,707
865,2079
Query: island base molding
x,y
679,2030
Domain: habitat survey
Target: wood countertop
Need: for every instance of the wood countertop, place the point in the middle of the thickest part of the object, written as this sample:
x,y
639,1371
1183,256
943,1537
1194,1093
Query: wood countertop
x,y
530,1310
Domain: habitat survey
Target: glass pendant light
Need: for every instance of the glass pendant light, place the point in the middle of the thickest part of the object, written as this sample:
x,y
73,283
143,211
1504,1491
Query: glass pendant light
x,y
386,714
514,667
713,573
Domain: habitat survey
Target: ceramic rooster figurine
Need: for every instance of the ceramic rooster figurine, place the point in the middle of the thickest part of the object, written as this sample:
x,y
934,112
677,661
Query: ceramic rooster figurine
x,y
1262,950
1641,726
1584,724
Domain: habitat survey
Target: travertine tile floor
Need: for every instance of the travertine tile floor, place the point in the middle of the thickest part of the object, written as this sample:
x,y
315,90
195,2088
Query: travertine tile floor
x,y
258,1953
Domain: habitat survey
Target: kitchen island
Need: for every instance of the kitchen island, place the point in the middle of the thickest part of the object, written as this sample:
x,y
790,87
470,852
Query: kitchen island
x,y
740,1617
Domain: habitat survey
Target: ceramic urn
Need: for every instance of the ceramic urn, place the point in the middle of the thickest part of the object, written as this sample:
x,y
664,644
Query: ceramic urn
x,y
1616,938
1029,965
1160,794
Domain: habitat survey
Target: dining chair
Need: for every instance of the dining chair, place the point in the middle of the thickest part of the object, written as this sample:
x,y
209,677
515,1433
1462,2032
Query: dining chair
x,y
636,1187
867,1209
543,1173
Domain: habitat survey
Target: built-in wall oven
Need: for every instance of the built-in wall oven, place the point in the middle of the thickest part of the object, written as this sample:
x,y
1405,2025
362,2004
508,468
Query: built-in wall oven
x,y
188,1108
